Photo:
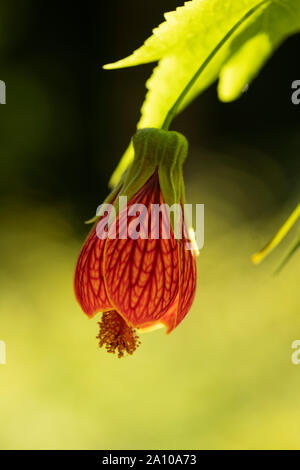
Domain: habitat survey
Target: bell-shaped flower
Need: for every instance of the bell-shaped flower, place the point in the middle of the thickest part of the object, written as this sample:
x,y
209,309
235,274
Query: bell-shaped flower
x,y
137,265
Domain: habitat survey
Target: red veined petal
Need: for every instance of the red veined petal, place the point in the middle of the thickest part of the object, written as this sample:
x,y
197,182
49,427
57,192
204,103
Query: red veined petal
x,y
141,276
88,282
166,320
187,287
188,279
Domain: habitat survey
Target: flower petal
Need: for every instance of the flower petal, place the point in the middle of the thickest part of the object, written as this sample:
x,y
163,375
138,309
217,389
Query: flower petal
x,y
188,278
88,282
142,275
187,287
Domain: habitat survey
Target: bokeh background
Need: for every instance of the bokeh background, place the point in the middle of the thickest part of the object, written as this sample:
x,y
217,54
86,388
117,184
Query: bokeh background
x,y
224,379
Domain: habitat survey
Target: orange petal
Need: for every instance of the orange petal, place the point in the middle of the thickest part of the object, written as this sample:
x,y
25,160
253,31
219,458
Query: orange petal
x,y
142,275
188,279
187,287
88,282
169,318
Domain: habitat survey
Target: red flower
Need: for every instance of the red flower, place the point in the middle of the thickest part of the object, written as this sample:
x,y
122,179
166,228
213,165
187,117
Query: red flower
x,y
139,281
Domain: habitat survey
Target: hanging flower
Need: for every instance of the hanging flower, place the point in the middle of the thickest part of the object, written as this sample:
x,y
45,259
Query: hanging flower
x,y
137,265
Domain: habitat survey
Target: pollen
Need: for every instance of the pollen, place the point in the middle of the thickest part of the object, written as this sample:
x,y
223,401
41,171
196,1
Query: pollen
x,y
116,335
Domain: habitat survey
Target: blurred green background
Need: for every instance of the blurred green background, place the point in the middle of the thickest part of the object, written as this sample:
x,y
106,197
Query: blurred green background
x,y
224,379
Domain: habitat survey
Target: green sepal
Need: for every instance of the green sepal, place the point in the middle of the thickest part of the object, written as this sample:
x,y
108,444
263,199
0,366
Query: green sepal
x,y
170,167
164,151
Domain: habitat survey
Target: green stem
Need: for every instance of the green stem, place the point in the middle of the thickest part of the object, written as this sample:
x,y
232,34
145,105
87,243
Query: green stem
x,y
173,111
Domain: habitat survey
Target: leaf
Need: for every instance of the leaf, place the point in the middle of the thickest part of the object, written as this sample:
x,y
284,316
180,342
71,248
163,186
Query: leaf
x,y
250,49
186,38
277,239
292,250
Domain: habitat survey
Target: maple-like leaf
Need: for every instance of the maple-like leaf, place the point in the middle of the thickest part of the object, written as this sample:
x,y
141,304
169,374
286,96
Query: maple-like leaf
x,y
187,37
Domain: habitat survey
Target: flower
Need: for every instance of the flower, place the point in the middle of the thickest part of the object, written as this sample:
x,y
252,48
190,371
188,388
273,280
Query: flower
x,y
137,265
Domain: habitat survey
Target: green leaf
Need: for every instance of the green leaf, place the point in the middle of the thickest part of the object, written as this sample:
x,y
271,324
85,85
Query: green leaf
x,y
250,49
277,239
292,250
187,37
